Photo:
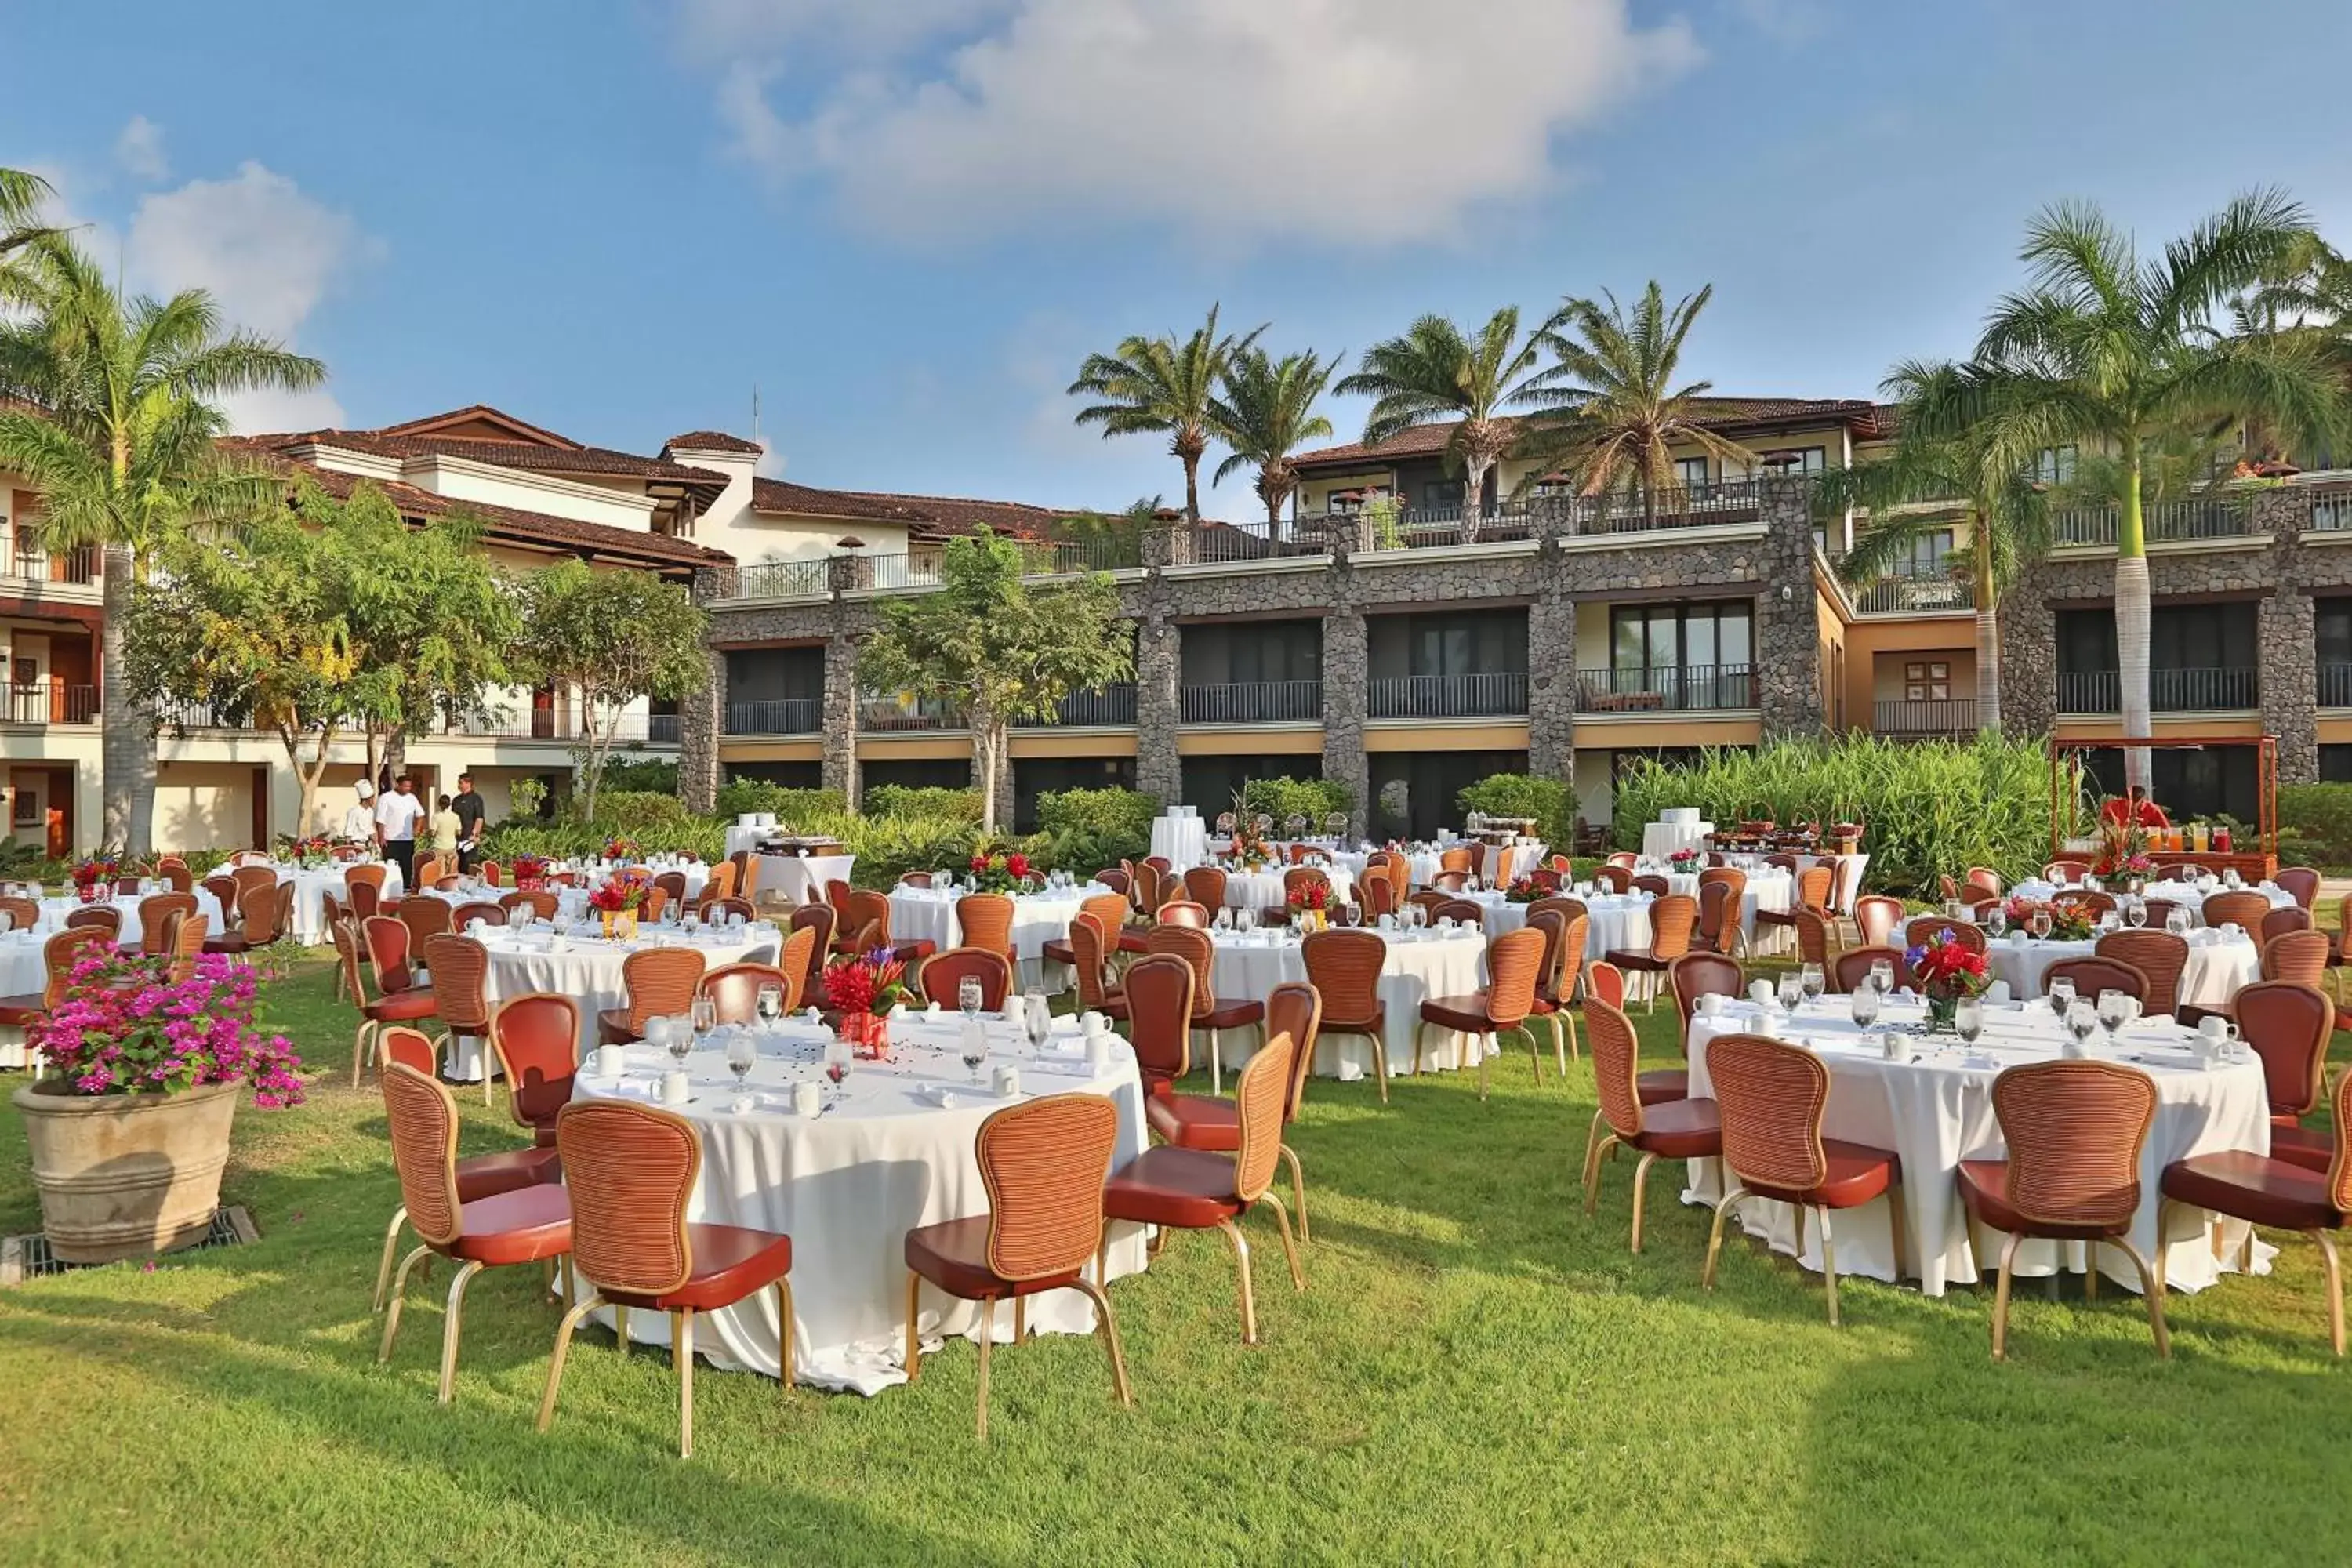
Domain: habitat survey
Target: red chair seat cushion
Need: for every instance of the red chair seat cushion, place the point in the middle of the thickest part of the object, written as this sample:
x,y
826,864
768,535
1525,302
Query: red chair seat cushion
x,y
1634,957
2246,1187
1187,1188
1856,1174
730,1262
953,1256
487,1175
401,1006
1776,917
1984,1186
1665,1084
1131,940
21,1012
1230,1013
221,944
613,1027
521,1226
1195,1121
1464,1014
915,951
1681,1129
1059,950
2313,1149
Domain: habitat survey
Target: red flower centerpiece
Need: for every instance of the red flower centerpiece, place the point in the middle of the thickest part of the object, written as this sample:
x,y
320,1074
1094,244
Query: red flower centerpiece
x,y
622,851
1543,882
530,872
862,990
1310,904
93,873
615,902
1946,971
1000,870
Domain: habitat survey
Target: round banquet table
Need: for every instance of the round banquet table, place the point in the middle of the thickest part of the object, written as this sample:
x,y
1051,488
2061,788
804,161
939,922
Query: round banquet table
x,y
131,933
23,972
880,1158
1181,838
589,972
928,914
1419,965
309,914
2180,893
799,878
2219,963
1660,839
1263,889
1937,1110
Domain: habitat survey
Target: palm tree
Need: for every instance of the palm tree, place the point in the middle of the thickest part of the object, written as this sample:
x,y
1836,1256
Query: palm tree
x,y
1267,413
121,440
1943,471
1434,373
1159,386
2111,351
1611,413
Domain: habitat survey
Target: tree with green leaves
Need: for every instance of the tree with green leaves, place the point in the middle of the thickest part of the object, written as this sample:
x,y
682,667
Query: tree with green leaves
x,y
2113,351
1944,473
1435,372
611,638
998,648
120,437
1267,413
1609,413
1159,387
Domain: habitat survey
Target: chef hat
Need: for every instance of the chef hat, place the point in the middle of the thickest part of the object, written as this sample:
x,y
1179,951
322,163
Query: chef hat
x,y
366,790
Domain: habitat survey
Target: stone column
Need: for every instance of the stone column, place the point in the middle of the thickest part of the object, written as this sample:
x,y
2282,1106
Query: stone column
x,y
1788,624
699,712
1158,662
841,717
2029,660
1551,682
1347,673
2290,683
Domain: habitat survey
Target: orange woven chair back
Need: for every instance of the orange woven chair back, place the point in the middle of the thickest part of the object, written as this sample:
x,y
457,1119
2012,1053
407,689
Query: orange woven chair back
x,y
1376,892
1206,885
23,915
1259,1100
1769,1095
1193,945
1814,885
837,895
58,956
460,967
2303,881
1616,1062
747,872
818,921
1296,1008
2074,1130
944,974
1674,920
248,877
156,909
1344,967
862,910
1984,879
1461,911
1298,879
987,921
2243,908
1429,900
176,875
1919,928
734,990
659,980
1089,951
2299,955
630,1170
1458,858
2339,1169
2279,922
491,874
2066,870
388,948
537,1038
423,918
792,962
1652,883
1731,876
257,916
2288,1023
424,1120
409,1047
1697,974
1554,928
1851,968
224,890
2094,975
914,878
1514,967
187,941
1159,989
1604,981
1878,918
1812,937
1616,879
1043,1164
673,886
1144,889
542,902
1184,912
720,884
489,914
103,918
1110,910
2158,955
650,910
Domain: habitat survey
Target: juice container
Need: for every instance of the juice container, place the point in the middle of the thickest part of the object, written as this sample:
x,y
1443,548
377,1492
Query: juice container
x,y
2221,839
2198,829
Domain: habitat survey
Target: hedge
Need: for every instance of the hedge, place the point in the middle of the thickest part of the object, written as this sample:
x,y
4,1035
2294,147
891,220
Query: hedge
x,y
1549,801
1285,798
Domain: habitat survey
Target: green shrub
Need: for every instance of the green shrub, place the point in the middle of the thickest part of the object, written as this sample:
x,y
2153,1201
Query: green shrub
x,y
2319,818
638,771
1117,812
929,801
1549,801
791,806
1285,798
635,812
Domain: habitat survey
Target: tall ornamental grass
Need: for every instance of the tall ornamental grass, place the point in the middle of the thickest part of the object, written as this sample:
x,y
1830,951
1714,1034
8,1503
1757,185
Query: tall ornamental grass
x,y
1927,807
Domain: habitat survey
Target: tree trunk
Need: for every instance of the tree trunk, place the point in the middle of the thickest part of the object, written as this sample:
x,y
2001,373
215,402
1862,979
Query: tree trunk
x,y
1474,495
1987,642
2132,619
307,776
987,739
396,749
127,746
1193,489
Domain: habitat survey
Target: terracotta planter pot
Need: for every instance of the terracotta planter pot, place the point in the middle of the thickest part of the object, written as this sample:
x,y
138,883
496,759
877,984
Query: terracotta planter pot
x,y
127,1175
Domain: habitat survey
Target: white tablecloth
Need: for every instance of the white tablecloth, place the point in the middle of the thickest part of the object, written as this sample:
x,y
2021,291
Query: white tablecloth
x,y
799,878
1263,889
2180,893
1419,967
1768,887
2217,967
1937,1110
23,972
589,972
849,1184
1181,840
1660,839
130,933
926,914
309,914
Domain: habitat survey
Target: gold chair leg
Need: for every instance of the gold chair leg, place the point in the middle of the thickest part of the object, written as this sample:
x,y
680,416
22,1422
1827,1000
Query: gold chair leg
x,y
1592,1174
914,1357
1592,1149
392,1309
2001,1297
2331,1279
1380,1060
681,1351
784,1334
1216,1061
1535,1051
1110,1338
1242,1268
1895,1225
390,1240
453,1326
621,1328
1485,1043
1640,1187
1829,1266
563,1331
1297,1189
1575,1051
1715,1236
363,1049
1289,1248
1020,1319
987,1340
2151,1284
2091,1272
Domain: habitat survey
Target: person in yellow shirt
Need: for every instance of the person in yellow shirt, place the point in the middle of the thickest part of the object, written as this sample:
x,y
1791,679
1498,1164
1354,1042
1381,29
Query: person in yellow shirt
x,y
444,830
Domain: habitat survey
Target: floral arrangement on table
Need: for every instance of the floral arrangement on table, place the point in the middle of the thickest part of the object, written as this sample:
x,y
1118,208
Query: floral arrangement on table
x,y
863,988
1310,903
2067,920
92,873
1946,971
1684,859
2123,850
621,851
530,871
1000,870
1252,849
617,899
1543,882
311,853
126,1027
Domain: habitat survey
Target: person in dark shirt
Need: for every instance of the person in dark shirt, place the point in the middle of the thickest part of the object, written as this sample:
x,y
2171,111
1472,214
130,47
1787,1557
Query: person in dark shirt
x,y
470,814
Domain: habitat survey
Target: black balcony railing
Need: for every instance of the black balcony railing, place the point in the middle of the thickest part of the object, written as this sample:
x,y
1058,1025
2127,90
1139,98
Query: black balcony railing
x,y
1236,543
784,579
1690,688
49,701
1111,705
1922,593
778,716
1956,716
1497,692
2165,522
881,714
2168,690
2336,686
1683,506
1253,702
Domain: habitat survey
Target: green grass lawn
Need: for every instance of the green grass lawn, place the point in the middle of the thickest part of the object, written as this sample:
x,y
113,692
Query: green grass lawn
x,y
1477,1373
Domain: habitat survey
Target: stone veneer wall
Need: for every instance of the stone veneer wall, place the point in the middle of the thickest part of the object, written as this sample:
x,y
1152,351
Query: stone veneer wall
x,y
698,712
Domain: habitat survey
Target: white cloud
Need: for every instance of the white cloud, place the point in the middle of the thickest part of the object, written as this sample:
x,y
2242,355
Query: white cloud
x,y
139,149
1785,22
1346,120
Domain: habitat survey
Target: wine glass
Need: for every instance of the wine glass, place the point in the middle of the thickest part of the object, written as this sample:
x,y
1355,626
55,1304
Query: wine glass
x,y
1222,921
1996,921
969,997
1039,1018
680,1040
742,1050
2081,1023
770,1004
1967,1017
2039,924
974,1045
1881,976
705,1018
2061,994
2113,1013
1864,1003
1792,990
1811,981
2136,912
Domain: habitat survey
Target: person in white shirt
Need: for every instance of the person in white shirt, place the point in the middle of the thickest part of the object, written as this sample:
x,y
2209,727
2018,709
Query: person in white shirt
x,y
396,817
359,822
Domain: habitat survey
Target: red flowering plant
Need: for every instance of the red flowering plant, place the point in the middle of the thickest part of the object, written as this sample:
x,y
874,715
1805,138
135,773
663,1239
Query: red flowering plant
x,y
1000,870
1946,971
530,871
622,850
92,871
1543,882
310,852
620,892
126,1027
2067,920
1310,894
1684,860
867,983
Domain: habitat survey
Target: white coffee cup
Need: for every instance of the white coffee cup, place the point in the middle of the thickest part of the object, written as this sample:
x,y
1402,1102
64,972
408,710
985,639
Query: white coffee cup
x,y
1769,1025
1710,1004
676,1088
1006,1081
610,1060
2218,1030
807,1099
1098,1052
1761,993
1895,1047
1093,1022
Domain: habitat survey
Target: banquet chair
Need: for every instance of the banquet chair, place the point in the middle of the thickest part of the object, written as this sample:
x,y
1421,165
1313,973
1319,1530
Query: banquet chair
x,y
1513,961
2074,1130
719,911
224,893
986,921
2097,973
491,874
672,887
1183,912
946,971
865,926
423,918
23,915
2287,1025
1728,928
747,874
1876,919
1110,912
655,902
631,1171
1984,877
1160,863
1210,1122
734,988
1623,858
1211,1012
542,903
800,951
1678,1128
1344,966
1117,878
460,969
478,1175
1449,883
1205,885
1091,959
59,954
1672,921
2279,922
1179,1188
184,941
536,1038
1615,877
2341,955
1811,890
1376,893
399,999
1546,1004
2297,955
2158,955
154,910
528,1224
482,909
2243,908
1160,988
363,888
1460,857
1652,883
1770,1097
1697,974
1148,894
1566,973
2064,871
2303,881
2159,910
720,884
817,920
1043,1164
1918,929
248,877
1849,970
1461,911
2283,1192
102,918
429,872
1813,944
658,981
915,880
175,875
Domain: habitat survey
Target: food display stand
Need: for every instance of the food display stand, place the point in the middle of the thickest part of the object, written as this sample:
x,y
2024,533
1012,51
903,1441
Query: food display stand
x,y
2256,862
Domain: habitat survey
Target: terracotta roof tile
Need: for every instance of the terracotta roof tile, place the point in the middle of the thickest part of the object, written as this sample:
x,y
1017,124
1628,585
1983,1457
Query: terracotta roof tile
x,y
923,517
500,453
710,441
1726,414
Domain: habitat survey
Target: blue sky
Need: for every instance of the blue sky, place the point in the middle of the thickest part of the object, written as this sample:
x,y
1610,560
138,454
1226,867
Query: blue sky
x,y
908,222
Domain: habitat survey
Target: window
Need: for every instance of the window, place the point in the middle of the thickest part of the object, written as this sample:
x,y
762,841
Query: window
x,y
1927,554
2055,465
27,812
1441,495
1690,471
1651,637
1790,461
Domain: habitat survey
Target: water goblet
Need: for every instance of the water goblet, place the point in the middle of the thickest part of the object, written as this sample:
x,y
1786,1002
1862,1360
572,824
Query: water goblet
x,y
681,1041
1792,991
2111,1014
704,1018
2039,924
1881,976
836,1061
1996,921
1967,1018
1812,982
2061,994
973,1045
1865,1004
770,1006
2136,912
1039,1018
969,997
742,1050
2081,1023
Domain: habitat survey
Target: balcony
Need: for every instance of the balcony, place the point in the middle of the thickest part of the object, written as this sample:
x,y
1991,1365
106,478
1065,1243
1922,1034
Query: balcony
x,y
2168,690
49,701
1111,706
1232,543
2336,686
29,565
561,724
782,716
892,715
1684,506
2167,523
807,578
892,571
1253,702
1955,716
1694,688
1501,693
1924,591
